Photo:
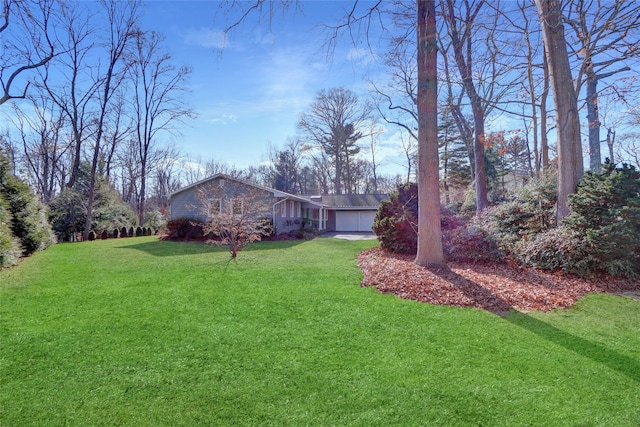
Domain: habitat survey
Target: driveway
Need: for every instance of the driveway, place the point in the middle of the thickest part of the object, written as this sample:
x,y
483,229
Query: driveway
x,y
350,235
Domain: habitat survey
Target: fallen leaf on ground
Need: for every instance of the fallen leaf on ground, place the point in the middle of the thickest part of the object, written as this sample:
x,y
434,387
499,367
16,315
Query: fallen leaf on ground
x,y
497,288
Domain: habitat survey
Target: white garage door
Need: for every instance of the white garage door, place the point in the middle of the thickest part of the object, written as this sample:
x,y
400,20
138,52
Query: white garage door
x,y
354,220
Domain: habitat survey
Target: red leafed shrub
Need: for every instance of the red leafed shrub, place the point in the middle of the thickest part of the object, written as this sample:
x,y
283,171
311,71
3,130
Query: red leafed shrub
x,y
184,229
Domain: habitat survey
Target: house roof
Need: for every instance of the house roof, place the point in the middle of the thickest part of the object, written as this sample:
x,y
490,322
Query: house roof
x,y
330,201
276,193
351,201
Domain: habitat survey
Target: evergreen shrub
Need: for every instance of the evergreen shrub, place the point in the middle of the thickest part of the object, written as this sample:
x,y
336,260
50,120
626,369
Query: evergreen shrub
x,y
600,235
10,249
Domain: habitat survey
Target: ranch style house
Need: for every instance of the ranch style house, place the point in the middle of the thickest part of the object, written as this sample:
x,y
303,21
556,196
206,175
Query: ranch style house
x,y
338,212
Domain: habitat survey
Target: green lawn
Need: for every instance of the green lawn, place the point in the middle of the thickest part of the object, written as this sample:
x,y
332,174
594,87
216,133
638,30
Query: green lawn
x,y
139,332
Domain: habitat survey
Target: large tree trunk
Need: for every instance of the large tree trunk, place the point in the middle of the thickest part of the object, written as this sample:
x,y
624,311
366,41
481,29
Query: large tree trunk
x,y
430,252
570,166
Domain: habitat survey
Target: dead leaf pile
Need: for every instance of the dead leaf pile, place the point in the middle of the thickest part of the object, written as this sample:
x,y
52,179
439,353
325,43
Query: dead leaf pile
x,y
494,287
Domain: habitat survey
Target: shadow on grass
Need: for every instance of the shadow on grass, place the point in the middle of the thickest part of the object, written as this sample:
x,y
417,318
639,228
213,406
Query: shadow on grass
x,y
613,360
487,300
168,248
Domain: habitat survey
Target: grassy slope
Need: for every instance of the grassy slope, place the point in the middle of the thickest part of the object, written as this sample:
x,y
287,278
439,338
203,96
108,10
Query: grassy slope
x,y
141,332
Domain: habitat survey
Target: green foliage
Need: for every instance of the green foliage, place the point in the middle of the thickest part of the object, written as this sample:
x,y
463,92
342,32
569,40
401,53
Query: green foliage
x,y
28,219
557,249
396,222
605,213
155,219
109,210
68,210
529,214
286,336
67,214
600,235
10,250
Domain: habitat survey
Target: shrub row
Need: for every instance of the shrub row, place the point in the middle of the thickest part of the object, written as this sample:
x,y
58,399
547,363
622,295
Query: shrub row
x,y
122,232
601,235
186,229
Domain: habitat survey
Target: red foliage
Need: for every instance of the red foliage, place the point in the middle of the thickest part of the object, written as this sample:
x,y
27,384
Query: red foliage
x,y
493,287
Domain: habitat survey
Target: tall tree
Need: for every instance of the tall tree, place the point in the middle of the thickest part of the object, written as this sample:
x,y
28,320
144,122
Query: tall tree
x,y
28,42
460,29
605,37
40,126
157,100
74,87
121,18
570,166
333,122
430,251
287,167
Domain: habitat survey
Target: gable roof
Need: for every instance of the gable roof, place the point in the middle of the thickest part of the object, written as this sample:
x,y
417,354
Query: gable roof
x,y
330,201
276,193
352,201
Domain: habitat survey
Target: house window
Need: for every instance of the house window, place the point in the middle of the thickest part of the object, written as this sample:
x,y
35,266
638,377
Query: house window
x,y
283,210
214,207
299,209
292,208
236,206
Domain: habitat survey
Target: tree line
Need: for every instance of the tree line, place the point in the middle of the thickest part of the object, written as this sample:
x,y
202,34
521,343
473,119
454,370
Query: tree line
x,y
490,63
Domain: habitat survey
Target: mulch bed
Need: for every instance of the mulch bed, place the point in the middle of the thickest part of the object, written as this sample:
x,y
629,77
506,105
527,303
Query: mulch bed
x,y
497,288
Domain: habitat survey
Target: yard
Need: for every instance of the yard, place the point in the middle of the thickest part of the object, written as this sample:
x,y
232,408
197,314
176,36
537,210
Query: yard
x,y
144,332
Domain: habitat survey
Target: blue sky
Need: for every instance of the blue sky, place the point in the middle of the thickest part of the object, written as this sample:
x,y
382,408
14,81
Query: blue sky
x,y
248,92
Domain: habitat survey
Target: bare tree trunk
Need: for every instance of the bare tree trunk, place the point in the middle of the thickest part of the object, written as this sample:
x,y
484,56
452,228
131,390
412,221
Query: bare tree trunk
x,y
430,252
611,137
593,120
570,166
459,42
544,140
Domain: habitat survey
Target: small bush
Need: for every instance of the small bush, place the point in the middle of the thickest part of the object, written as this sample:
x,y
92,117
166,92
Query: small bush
x,y
104,235
115,233
131,232
265,228
123,232
185,229
139,231
91,236
558,249
396,223
471,244
531,212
